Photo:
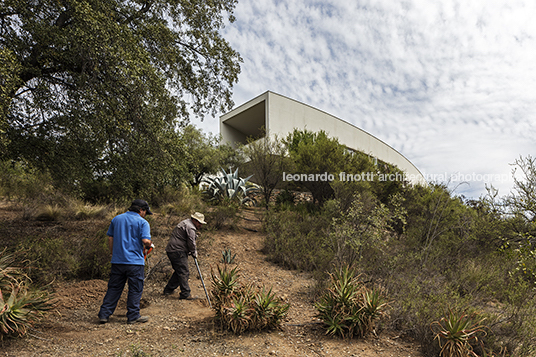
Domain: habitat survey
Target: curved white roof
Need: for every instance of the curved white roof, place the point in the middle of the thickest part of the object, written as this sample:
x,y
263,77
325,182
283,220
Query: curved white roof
x,y
280,115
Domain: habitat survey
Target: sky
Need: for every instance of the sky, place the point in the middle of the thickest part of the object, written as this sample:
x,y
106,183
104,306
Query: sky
x,y
449,84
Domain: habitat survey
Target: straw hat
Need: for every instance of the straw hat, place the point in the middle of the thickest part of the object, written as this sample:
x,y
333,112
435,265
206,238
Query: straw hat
x,y
200,217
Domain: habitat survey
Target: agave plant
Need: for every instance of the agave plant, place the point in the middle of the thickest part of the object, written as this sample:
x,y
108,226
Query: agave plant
x,y
455,331
230,186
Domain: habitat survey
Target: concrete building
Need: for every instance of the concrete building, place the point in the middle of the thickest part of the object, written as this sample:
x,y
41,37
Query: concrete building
x,y
280,115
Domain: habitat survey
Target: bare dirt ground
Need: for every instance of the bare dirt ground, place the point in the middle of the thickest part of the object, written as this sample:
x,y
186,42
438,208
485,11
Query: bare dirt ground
x,y
185,328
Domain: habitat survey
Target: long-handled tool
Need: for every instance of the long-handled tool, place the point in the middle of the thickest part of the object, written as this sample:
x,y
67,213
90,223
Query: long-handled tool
x,y
202,282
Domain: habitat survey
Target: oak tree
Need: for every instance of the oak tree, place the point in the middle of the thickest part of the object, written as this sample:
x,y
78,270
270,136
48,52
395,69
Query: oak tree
x,y
94,90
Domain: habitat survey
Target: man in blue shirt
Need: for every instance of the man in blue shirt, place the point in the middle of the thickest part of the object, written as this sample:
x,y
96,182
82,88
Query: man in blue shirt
x,y
128,235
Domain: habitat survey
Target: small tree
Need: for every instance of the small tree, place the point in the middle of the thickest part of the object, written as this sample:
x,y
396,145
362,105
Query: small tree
x,y
522,201
205,154
268,162
317,154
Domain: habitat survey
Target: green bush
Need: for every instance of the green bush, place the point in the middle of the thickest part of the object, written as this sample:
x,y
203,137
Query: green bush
x,y
298,240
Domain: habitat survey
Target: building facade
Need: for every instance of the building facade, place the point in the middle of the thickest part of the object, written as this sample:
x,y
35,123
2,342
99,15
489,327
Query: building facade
x,y
275,114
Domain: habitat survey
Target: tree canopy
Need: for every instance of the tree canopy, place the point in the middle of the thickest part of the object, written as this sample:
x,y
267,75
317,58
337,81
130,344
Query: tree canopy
x,y
95,89
315,153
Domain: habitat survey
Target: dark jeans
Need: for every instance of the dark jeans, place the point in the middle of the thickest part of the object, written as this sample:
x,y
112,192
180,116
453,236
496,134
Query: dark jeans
x,y
120,273
181,274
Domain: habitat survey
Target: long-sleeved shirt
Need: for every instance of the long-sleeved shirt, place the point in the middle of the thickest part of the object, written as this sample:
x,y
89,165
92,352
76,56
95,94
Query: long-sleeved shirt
x,y
183,238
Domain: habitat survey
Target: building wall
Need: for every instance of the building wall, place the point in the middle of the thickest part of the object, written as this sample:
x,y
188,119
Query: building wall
x,y
282,115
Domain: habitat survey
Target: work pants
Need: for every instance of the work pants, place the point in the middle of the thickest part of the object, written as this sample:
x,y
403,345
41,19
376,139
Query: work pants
x,y
119,275
181,274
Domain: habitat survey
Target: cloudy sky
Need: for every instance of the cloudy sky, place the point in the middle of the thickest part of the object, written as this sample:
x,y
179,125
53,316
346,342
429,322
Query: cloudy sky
x,y
449,84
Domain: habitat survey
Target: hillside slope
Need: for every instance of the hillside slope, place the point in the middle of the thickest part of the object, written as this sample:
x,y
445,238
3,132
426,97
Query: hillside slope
x,y
185,328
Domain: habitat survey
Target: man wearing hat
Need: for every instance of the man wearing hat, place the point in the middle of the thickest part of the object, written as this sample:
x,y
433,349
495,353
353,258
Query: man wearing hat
x,y
128,235
182,243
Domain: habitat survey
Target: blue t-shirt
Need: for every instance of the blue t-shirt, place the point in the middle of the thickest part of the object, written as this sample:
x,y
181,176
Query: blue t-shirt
x,y
128,229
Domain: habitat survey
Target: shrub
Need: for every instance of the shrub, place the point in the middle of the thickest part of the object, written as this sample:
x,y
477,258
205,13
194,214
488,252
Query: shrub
x,y
51,258
222,215
297,239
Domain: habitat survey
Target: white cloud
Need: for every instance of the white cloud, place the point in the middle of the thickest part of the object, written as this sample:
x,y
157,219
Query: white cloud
x,y
450,84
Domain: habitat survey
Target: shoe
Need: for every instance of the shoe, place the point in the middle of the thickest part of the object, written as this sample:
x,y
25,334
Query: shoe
x,y
190,297
139,320
167,293
104,320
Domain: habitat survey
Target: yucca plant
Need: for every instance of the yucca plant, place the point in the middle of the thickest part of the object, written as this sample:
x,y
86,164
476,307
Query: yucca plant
x,y
8,274
374,305
226,281
455,332
347,307
224,287
229,186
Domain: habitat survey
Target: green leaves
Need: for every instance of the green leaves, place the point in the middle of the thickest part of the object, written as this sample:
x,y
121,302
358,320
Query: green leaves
x,y
348,308
95,90
20,307
245,307
229,186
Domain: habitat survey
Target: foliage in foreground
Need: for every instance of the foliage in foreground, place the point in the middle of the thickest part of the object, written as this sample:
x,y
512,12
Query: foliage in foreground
x,y
99,106
20,305
458,332
241,308
427,248
348,308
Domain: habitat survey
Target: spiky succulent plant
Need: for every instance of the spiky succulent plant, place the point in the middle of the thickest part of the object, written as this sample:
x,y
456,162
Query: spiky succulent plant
x,y
20,306
229,186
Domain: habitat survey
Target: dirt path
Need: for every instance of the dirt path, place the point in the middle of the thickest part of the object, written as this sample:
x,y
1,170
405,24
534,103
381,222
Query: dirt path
x,y
185,328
